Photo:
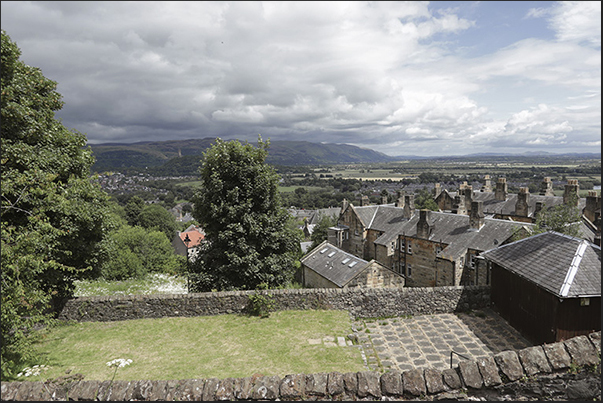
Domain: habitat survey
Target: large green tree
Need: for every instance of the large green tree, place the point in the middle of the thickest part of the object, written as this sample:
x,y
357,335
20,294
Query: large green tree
x,y
53,217
248,239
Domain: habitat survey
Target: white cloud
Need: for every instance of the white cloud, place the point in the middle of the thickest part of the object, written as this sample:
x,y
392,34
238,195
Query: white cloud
x,y
375,74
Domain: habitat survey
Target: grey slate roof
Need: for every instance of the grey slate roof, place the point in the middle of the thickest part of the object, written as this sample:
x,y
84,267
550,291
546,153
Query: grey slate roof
x,y
565,266
507,207
449,228
327,260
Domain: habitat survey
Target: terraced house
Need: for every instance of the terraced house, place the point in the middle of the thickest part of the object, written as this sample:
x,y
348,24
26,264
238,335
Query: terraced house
x,y
428,248
523,206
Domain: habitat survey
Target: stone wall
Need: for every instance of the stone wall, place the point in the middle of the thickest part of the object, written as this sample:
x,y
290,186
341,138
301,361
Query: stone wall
x,y
360,302
568,370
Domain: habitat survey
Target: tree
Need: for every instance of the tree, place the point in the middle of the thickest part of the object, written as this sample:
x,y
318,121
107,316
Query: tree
x,y
321,230
249,241
424,200
154,216
133,252
564,218
133,208
53,217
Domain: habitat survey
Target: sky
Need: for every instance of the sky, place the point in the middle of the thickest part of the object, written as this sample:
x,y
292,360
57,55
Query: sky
x,y
402,78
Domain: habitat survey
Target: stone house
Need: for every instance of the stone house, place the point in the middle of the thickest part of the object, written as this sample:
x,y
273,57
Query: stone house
x,y
428,248
195,234
327,266
547,286
524,206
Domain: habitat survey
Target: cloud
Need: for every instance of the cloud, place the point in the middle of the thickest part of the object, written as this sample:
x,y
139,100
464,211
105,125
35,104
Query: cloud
x,y
383,75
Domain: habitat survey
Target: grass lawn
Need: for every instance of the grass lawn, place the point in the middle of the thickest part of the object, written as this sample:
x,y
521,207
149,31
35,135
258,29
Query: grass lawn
x,y
201,347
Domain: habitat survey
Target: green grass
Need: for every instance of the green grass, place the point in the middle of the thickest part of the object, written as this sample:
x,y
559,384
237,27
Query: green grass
x,y
201,347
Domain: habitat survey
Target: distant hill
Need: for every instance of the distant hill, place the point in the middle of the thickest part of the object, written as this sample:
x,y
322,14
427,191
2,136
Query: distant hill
x,y
177,156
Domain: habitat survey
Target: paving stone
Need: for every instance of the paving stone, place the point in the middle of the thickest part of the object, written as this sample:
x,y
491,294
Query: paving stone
x,y
329,344
314,341
534,360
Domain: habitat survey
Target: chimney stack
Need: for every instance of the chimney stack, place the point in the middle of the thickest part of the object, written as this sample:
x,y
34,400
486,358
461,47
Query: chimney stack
x,y
468,194
522,205
344,204
458,205
476,219
488,184
593,204
384,199
570,194
423,227
400,200
409,205
501,189
364,201
546,187
437,189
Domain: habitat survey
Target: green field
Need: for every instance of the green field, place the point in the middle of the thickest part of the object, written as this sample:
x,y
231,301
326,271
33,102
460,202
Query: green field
x,y
200,347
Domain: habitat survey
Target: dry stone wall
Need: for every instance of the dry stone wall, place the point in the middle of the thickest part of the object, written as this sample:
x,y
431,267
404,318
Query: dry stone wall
x,y
360,302
568,370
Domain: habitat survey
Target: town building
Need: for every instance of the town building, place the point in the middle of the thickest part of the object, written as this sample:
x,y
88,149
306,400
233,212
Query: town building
x,y
428,248
190,248
327,266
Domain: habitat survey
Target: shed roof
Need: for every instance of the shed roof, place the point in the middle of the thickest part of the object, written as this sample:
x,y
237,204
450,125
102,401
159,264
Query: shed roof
x,y
333,263
567,267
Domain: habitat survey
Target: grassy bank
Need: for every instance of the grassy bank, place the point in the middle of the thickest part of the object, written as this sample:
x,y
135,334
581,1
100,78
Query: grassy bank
x,y
202,347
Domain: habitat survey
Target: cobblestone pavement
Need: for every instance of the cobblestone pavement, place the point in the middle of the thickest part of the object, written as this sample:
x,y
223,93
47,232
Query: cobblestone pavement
x,y
428,340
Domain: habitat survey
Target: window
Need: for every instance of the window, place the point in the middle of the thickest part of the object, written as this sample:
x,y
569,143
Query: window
x,y
438,249
409,270
402,244
409,247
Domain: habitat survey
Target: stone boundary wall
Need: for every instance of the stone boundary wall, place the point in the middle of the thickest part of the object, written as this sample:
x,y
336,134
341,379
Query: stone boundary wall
x,y
568,370
360,302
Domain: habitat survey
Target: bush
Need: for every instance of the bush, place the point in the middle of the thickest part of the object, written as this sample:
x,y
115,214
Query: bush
x,y
134,252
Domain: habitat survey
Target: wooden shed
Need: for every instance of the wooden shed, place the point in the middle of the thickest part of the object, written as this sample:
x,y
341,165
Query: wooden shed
x,y
547,286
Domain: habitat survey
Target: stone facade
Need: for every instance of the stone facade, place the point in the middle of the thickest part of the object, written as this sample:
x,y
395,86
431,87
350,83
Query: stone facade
x,y
508,376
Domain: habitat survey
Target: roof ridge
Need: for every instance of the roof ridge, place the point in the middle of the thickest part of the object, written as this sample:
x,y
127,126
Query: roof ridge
x,y
573,269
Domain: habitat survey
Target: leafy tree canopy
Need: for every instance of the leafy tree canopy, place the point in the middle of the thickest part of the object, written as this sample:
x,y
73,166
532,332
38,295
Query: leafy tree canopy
x,y
53,217
249,241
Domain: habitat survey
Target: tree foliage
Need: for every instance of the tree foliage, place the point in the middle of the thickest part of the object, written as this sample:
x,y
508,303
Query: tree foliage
x,y
249,241
321,231
53,217
563,218
133,252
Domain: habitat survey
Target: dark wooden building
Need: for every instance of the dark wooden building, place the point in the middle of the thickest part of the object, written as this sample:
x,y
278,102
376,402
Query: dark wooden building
x,y
547,286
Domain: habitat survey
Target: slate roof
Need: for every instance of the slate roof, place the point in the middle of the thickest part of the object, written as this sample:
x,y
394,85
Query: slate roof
x,y
333,263
449,228
507,207
567,267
